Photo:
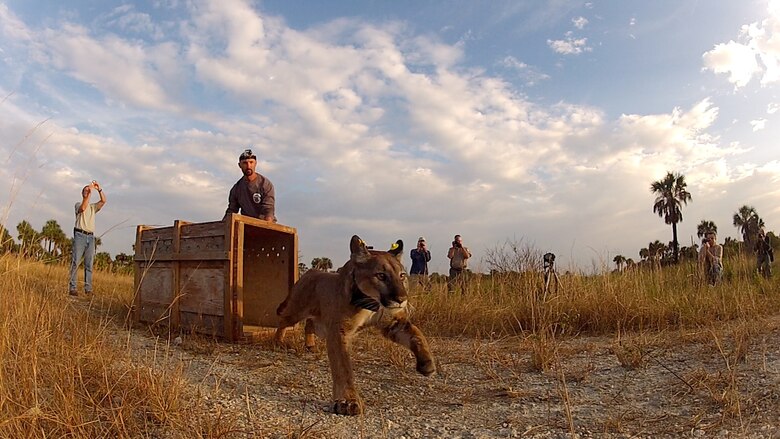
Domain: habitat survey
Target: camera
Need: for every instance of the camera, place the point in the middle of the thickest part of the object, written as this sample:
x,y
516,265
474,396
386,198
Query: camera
x,y
548,260
456,244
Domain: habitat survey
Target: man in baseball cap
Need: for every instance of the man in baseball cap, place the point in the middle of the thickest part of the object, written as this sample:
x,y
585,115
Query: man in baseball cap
x,y
420,258
253,194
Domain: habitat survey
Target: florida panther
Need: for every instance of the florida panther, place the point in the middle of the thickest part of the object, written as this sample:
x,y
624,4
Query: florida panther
x,y
370,289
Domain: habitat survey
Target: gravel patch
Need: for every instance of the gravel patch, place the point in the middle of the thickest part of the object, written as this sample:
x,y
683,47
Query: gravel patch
x,y
696,384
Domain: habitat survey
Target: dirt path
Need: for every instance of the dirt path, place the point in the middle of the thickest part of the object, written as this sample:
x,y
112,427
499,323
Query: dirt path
x,y
705,383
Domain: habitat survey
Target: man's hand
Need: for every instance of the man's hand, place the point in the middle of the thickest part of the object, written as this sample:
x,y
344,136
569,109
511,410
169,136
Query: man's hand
x,y
96,185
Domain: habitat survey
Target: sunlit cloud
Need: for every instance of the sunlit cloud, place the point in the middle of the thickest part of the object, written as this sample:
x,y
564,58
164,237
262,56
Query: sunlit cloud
x,y
569,45
758,124
579,22
530,75
358,124
755,53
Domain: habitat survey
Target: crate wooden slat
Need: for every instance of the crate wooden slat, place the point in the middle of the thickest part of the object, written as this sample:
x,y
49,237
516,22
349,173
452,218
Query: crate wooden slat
x,y
223,278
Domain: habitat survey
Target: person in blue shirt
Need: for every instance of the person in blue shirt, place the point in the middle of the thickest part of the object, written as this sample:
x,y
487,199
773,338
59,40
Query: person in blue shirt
x,y
420,258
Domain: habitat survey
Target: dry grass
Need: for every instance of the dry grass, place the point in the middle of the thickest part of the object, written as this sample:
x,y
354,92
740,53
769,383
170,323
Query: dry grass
x,y
64,375
639,300
65,372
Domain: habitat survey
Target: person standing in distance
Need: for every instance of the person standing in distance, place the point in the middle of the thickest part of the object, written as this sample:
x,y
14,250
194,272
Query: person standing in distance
x,y
764,254
459,257
253,194
420,257
711,258
84,238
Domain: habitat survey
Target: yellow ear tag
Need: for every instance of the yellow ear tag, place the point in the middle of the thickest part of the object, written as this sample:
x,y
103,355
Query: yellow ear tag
x,y
394,246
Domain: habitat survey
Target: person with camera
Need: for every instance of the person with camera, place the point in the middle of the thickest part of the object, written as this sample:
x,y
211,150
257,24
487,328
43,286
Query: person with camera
x,y
84,238
711,258
459,256
253,194
764,254
420,258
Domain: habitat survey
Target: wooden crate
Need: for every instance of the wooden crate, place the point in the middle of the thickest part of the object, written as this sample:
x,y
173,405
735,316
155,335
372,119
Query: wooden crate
x,y
223,278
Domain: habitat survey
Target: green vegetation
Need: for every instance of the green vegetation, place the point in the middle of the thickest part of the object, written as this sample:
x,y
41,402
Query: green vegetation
x,y
52,245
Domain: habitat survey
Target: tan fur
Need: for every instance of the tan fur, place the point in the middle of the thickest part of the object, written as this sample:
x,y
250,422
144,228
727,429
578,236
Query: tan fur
x,y
326,301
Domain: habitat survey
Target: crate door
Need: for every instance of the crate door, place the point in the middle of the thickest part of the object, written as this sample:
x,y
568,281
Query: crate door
x,y
270,261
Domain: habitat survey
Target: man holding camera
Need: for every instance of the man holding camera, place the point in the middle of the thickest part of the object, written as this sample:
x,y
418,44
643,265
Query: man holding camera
x,y
420,258
459,256
253,194
84,238
764,254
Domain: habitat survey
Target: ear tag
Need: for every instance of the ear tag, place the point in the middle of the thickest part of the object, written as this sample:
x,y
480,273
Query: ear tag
x,y
394,246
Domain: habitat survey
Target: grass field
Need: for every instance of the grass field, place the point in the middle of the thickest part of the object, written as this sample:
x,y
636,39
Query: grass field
x,y
67,371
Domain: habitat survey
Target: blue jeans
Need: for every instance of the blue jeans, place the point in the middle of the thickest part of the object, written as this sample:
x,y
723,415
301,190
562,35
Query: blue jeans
x,y
83,247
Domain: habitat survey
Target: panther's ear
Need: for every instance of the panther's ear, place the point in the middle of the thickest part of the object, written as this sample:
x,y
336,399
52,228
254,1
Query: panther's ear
x,y
397,249
359,252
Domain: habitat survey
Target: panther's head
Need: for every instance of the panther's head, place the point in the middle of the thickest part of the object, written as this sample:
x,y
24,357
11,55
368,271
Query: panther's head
x,y
379,275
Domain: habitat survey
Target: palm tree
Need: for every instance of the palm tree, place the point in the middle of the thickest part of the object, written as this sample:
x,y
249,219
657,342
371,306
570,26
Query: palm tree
x,y
619,260
671,193
29,239
64,246
7,243
322,264
655,251
691,252
704,227
644,253
748,222
50,232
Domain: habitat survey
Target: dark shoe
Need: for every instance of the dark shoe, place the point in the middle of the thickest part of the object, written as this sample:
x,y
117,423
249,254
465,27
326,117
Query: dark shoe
x,y
73,293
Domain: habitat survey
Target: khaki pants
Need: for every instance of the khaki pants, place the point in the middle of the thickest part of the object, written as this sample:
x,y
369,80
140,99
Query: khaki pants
x,y
457,280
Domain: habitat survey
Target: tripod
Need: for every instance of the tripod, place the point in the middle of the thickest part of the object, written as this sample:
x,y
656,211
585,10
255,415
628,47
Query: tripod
x,y
551,279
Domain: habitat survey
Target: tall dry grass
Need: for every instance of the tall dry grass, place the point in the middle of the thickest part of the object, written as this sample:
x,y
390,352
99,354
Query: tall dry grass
x,y
638,300
66,370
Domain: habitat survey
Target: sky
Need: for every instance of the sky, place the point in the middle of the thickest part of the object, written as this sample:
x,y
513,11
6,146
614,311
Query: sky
x,y
538,122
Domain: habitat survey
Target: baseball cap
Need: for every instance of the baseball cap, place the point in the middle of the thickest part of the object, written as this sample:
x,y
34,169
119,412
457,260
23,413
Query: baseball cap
x,y
421,239
246,155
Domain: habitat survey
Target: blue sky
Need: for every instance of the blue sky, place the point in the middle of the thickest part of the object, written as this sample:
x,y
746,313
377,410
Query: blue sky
x,y
541,121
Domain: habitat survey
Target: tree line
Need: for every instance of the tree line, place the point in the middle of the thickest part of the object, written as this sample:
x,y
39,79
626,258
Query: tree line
x,y
672,194
52,245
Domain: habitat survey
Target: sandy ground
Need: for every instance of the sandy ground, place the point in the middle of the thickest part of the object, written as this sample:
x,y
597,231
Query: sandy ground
x,y
695,383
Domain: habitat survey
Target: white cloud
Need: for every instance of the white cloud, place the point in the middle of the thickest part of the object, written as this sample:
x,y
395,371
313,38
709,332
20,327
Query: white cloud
x,y
579,22
363,128
529,74
738,60
569,45
755,53
11,27
758,124
772,108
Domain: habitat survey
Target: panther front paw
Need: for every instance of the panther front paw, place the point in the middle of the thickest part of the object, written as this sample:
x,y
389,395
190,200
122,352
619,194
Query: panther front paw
x,y
348,407
426,367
